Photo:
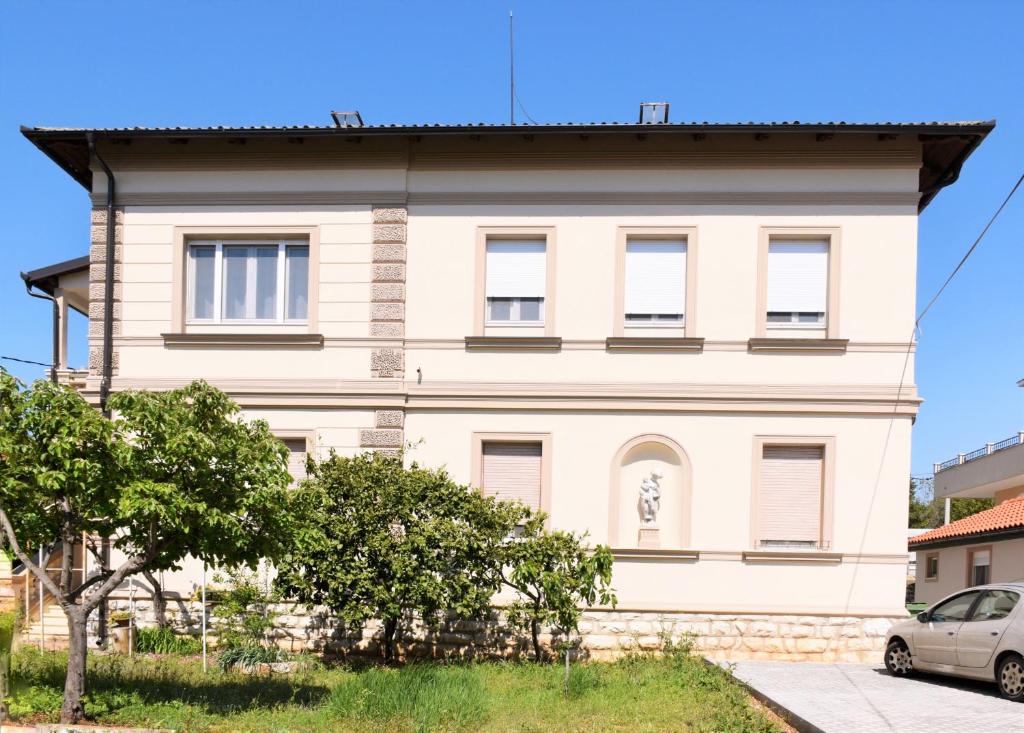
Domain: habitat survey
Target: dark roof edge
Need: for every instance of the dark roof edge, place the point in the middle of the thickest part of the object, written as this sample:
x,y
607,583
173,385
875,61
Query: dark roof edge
x,y
44,278
1009,533
75,162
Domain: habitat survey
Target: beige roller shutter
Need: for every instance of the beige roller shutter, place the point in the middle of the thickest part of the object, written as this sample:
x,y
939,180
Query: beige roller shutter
x,y
789,499
296,458
512,471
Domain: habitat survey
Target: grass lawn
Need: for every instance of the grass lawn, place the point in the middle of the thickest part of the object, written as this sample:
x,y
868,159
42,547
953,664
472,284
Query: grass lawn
x,y
639,693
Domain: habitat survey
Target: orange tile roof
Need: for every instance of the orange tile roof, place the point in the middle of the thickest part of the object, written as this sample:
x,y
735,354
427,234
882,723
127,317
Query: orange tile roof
x,y
1007,515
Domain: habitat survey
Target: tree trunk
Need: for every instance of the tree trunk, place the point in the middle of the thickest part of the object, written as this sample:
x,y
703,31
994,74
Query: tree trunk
x,y
159,602
388,639
535,634
73,709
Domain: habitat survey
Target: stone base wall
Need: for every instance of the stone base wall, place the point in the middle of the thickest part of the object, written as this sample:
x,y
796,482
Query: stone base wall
x,y
604,635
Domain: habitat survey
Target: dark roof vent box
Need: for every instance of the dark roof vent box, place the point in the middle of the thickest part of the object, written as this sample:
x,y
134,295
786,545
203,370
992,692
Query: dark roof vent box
x,y
347,119
653,113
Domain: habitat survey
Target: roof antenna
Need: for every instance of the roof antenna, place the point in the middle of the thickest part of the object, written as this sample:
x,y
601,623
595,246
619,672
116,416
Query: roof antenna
x,y
511,73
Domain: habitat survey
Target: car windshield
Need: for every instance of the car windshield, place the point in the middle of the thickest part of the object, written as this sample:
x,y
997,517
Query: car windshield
x,y
955,609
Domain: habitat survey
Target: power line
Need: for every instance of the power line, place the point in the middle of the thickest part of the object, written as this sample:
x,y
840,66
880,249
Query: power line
x,y
903,373
26,361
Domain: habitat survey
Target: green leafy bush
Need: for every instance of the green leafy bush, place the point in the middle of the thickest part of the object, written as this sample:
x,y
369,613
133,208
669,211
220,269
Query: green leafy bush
x,y
164,641
243,614
246,657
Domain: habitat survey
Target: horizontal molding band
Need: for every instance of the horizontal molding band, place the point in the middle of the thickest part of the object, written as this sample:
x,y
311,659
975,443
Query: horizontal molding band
x,y
792,557
253,198
668,198
459,344
521,198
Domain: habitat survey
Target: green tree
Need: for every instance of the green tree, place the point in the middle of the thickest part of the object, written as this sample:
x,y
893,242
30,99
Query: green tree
x,y
926,511
176,473
553,573
377,540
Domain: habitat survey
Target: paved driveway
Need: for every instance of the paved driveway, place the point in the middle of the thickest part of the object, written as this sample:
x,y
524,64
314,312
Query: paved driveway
x,y
862,698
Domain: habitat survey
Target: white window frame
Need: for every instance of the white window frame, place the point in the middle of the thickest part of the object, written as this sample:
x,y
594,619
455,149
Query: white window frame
x,y
516,301
218,280
653,321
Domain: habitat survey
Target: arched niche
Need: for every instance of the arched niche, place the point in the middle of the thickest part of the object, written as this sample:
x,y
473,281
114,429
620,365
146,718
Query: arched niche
x,y
636,459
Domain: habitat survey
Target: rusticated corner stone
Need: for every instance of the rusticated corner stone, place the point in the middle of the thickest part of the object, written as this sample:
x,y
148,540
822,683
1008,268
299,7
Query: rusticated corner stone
x,y
99,215
98,234
388,293
388,253
385,362
96,360
392,329
96,311
97,291
387,311
389,215
388,233
98,252
371,438
389,452
389,418
98,272
96,329
391,272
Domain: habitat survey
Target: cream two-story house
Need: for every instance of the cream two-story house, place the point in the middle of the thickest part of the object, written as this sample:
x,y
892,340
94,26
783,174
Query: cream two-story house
x,y
715,315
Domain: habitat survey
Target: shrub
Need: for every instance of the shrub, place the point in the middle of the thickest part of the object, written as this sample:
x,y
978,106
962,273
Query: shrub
x,y
247,657
164,641
243,614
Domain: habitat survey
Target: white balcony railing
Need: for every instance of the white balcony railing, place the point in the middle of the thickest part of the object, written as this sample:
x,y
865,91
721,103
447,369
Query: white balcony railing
x,y
974,455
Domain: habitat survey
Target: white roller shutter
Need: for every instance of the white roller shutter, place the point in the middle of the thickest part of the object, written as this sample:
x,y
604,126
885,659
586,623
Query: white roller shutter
x,y
512,471
516,269
296,458
789,498
797,277
655,277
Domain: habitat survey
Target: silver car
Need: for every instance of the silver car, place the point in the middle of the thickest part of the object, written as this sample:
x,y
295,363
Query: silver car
x,y
977,633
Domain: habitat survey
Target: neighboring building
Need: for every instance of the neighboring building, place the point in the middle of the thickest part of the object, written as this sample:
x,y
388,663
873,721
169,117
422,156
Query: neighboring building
x,y
559,312
984,547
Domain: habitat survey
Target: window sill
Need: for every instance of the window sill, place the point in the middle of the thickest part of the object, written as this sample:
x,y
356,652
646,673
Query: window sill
x,y
780,345
792,556
628,553
654,343
254,340
513,343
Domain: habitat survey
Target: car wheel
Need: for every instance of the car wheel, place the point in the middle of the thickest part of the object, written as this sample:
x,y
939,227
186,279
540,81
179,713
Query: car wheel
x,y
1010,677
898,660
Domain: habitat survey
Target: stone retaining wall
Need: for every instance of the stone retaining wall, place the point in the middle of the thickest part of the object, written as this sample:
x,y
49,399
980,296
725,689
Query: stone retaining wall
x,y
604,634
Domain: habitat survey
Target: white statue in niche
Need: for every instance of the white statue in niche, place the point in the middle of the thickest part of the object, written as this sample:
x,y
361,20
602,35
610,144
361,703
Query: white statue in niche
x,y
650,499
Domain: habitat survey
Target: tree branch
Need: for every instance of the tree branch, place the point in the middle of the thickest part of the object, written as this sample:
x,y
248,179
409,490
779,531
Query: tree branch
x,y
40,573
88,583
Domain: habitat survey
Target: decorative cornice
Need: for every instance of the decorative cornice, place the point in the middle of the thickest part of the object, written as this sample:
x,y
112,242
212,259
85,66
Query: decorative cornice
x,y
626,553
669,198
253,198
513,343
244,340
654,343
797,345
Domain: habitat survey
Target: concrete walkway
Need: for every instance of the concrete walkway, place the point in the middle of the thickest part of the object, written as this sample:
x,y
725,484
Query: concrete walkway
x,y
863,698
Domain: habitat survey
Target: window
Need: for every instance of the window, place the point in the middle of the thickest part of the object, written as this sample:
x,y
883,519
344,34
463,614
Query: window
x,y
797,288
995,605
955,609
296,458
980,567
512,471
248,281
790,496
516,273
931,567
655,288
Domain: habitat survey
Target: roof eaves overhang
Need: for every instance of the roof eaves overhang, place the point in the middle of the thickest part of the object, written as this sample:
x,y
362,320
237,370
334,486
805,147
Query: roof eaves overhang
x,y
968,539
945,146
47,278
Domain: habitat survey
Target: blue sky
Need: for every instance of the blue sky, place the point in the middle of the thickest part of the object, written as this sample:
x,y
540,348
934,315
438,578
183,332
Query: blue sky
x,y
188,62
